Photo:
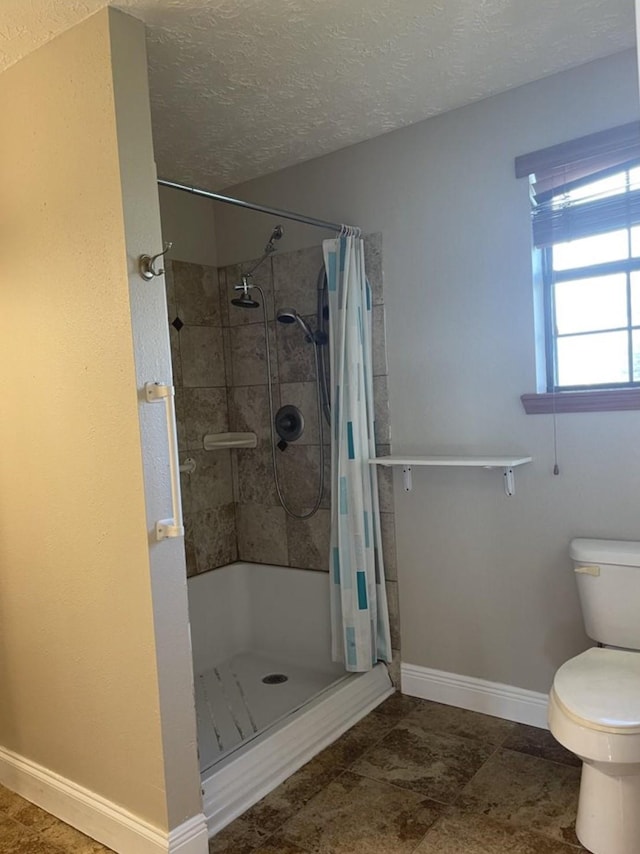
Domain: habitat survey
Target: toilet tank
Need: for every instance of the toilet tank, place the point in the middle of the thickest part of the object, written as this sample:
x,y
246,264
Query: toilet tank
x,y
608,577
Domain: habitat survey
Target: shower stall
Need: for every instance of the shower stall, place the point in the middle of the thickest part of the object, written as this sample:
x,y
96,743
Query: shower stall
x,y
251,376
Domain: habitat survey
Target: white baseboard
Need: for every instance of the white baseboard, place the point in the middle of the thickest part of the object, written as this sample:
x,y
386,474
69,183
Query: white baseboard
x,y
252,772
478,695
94,815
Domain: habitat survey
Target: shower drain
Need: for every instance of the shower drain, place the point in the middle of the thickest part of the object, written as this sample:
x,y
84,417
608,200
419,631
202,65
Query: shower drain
x,y
275,679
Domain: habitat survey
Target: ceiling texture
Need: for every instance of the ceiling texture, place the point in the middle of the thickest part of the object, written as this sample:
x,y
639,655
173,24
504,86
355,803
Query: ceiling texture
x,y
241,88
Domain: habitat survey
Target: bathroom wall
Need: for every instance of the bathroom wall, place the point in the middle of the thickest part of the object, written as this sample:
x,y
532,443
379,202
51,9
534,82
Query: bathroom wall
x,y
95,673
188,222
485,582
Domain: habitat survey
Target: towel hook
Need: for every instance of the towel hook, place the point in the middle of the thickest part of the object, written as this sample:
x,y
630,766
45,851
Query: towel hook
x,y
146,263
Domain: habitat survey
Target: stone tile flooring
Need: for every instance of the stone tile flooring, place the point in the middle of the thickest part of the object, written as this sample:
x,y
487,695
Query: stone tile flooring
x,y
419,778
411,778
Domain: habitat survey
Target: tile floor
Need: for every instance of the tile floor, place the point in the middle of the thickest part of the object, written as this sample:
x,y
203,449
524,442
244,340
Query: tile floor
x,y
415,777
411,778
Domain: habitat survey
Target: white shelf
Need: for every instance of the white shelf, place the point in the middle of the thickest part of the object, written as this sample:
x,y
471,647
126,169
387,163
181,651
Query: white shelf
x,y
506,463
477,462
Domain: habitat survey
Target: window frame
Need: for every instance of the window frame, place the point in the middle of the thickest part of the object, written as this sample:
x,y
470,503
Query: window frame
x,y
549,279
548,170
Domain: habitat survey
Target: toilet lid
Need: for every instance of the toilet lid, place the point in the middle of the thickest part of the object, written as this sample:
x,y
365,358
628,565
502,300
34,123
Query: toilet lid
x,y
601,689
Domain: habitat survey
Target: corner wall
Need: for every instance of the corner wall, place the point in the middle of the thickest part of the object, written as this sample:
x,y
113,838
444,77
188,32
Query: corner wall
x,y
485,582
83,668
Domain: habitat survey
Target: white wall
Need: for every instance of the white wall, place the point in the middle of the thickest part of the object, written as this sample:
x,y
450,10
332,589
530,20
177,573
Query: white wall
x,y
485,582
95,677
167,568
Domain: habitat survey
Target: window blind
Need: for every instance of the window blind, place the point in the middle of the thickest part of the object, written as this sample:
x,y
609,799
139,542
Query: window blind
x,y
554,171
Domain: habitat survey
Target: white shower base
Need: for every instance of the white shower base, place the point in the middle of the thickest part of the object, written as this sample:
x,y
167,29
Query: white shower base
x,y
249,621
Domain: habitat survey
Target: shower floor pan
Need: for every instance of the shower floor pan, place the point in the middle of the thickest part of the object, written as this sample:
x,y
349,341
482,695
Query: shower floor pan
x,y
250,622
247,774
241,697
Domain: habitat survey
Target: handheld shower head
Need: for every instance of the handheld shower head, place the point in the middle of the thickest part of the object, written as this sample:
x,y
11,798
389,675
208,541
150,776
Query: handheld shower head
x,y
290,315
276,234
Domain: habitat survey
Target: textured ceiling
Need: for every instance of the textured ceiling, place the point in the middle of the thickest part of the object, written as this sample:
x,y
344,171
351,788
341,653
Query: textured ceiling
x,y
240,88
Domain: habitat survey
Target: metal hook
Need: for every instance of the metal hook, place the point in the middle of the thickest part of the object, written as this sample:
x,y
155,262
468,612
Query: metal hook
x,y
146,263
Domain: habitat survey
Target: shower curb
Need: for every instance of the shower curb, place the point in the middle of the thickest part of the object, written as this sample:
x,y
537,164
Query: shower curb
x,y
255,770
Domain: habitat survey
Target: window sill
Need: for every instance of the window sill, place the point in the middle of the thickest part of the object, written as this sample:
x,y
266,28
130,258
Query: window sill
x,y
605,400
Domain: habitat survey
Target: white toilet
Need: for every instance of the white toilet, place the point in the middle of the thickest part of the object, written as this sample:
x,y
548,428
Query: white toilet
x,y
594,705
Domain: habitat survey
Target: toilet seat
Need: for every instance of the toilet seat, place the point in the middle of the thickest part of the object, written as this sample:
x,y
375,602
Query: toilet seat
x,y
600,689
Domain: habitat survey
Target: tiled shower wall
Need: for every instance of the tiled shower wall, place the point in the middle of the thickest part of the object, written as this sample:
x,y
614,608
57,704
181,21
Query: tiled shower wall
x,y
230,503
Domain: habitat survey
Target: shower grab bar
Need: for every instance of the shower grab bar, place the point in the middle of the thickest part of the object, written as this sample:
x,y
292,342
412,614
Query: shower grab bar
x,y
174,527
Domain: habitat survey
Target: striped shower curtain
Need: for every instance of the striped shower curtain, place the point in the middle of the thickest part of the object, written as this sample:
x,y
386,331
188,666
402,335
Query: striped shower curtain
x,y
359,614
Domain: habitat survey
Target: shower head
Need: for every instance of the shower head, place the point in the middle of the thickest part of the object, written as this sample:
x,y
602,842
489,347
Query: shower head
x,y
276,234
245,300
290,315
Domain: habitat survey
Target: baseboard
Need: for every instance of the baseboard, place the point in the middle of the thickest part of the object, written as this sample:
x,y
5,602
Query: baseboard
x,y
252,772
94,815
478,695
190,837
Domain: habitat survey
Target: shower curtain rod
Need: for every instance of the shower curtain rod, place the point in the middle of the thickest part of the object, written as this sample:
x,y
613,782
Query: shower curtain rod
x,y
228,200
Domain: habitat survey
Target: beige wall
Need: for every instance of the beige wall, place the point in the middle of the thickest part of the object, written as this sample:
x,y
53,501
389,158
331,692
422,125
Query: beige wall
x,y
485,582
83,680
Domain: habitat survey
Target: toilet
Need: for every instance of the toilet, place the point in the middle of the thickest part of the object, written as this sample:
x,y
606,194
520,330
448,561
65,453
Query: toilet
x,y
594,705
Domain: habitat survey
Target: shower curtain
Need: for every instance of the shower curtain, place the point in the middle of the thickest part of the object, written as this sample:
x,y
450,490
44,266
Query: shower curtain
x,y
359,614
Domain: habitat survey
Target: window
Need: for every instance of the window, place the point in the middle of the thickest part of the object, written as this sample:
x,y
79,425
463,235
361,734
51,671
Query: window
x,y
592,283
586,230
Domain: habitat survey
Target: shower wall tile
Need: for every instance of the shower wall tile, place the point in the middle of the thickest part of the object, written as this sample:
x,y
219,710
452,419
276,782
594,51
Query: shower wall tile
x,y
210,485
185,490
381,410
388,532
205,411
199,369
295,279
394,669
299,474
249,409
263,277
254,476
378,342
262,534
181,427
170,289
248,354
309,541
296,361
202,352
385,481
214,537
197,294
373,264
394,612
189,546
176,358
226,349
304,396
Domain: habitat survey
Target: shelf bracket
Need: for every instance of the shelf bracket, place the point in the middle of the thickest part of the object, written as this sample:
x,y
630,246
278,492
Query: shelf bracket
x,y
509,481
406,478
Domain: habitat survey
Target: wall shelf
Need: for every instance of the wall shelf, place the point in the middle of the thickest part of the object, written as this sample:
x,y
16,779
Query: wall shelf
x,y
407,461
